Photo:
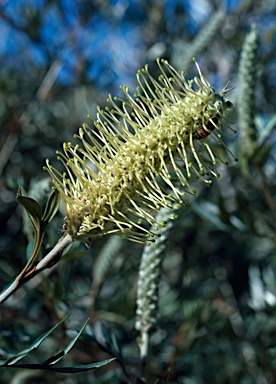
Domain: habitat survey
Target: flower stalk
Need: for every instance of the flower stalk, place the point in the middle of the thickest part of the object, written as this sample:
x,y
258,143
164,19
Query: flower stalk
x,y
47,262
142,155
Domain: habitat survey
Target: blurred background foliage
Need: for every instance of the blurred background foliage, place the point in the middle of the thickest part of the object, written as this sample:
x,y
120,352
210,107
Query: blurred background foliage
x,y
58,60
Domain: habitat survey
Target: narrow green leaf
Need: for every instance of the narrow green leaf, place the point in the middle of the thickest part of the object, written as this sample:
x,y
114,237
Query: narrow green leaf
x,y
70,345
34,211
29,250
75,369
21,191
37,242
81,368
57,356
209,211
142,381
34,345
265,129
262,153
90,332
31,206
116,347
52,207
34,216
102,334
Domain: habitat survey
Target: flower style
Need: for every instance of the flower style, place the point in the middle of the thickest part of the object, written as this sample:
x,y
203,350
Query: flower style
x,y
141,155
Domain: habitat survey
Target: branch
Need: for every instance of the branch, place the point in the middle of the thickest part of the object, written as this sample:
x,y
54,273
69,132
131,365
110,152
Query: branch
x,y
47,262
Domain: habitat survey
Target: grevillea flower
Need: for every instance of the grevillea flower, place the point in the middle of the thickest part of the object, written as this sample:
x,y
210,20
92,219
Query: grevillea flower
x,y
141,155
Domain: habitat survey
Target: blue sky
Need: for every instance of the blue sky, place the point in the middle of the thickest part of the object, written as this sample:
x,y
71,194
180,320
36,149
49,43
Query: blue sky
x,y
110,42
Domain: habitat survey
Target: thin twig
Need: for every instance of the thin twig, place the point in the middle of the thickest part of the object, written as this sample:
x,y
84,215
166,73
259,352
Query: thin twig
x,y
47,262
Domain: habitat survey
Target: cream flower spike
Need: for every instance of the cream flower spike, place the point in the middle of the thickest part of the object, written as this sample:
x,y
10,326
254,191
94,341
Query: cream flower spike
x,y
141,155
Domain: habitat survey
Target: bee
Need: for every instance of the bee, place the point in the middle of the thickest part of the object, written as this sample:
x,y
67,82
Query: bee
x,y
205,131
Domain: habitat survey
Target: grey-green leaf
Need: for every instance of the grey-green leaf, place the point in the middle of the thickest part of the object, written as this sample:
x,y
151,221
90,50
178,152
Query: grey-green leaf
x,y
70,345
75,369
32,207
52,207
12,360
